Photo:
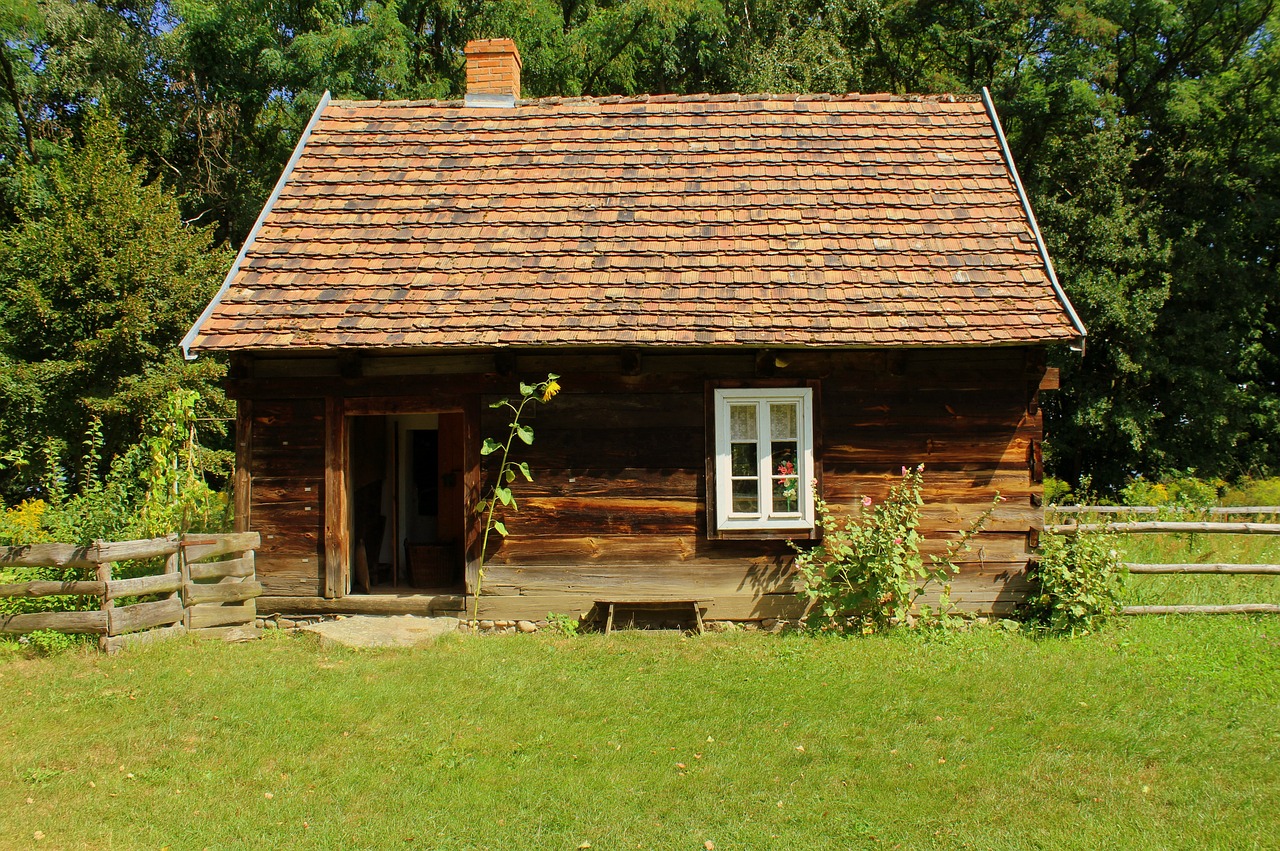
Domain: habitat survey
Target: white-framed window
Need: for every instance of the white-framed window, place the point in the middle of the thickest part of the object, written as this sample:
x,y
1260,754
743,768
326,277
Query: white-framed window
x,y
764,468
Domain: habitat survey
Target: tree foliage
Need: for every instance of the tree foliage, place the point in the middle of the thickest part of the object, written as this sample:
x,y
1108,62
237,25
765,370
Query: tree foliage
x,y
1146,132
98,280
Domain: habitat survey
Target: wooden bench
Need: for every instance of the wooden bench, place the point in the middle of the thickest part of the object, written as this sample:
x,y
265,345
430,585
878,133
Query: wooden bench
x,y
608,606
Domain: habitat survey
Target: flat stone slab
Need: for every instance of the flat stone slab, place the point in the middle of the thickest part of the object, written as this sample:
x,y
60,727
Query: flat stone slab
x,y
365,631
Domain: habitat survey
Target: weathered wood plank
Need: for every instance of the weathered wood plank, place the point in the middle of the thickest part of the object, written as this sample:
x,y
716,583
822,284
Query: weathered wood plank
x,y
99,552
200,547
143,615
46,555
47,588
336,521
237,567
1237,609
1225,511
116,643
161,583
1253,569
226,592
231,633
364,604
212,614
1171,526
242,477
103,552
93,623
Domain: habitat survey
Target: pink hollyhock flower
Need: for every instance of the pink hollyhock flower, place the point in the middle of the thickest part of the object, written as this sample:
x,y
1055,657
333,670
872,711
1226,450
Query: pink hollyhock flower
x,y
897,540
866,502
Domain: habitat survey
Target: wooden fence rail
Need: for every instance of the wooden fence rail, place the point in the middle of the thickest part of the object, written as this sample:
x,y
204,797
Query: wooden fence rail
x,y
1212,511
1167,526
197,595
1210,527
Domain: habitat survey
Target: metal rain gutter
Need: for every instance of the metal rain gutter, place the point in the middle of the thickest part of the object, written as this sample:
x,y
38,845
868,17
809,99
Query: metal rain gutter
x,y
1031,218
253,234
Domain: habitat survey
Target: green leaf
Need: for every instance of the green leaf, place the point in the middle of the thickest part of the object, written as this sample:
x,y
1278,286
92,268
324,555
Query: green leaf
x,y
526,389
509,475
523,467
499,403
524,433
490,446
500,528
503,495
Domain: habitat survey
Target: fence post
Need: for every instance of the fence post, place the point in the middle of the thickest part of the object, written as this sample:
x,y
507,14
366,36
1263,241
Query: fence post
x,y
103,574
185,570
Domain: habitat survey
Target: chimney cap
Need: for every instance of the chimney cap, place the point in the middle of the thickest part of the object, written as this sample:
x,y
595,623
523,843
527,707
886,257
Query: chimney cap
x,y
502,46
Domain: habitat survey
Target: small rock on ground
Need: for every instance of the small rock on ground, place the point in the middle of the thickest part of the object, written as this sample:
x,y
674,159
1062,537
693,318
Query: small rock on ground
x,y
365,631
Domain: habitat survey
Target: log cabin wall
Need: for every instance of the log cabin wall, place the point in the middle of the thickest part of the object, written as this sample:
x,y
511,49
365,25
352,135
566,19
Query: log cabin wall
x,y
620,465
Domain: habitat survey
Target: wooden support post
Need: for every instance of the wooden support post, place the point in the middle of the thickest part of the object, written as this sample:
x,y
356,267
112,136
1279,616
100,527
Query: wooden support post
x,y
336,533
243,478
103,574
185,570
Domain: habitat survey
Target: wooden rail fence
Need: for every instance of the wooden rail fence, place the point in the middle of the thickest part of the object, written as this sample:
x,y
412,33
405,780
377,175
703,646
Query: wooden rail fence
x,y
1221,527
208,598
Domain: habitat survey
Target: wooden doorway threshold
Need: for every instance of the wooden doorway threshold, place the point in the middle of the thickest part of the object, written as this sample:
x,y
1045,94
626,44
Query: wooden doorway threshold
x,y
407,602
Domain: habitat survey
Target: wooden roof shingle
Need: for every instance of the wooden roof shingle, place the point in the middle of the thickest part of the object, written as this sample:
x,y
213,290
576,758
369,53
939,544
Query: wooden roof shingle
x,y
702,220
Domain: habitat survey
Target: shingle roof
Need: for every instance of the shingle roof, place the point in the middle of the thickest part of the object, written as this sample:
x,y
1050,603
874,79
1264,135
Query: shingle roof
x,y
697,220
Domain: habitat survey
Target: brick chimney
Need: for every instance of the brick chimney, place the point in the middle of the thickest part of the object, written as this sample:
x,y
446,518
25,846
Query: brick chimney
x,y
493,72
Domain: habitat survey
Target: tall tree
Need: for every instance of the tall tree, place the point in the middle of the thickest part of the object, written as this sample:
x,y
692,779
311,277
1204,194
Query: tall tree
x,y
98,282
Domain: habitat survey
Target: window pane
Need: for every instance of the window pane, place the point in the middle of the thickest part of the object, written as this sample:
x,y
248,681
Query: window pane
x,y
783,460
786,476
786,495
744,459
782,421
746,497
742,422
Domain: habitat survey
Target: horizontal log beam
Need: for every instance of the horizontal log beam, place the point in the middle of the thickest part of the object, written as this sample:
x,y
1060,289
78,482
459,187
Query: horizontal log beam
x,y
1147,526
366,604
160,583
143,616
206,616
99,552
45,588
237,567
116,643
200,547
1217,511
92,623
1252,569
228,592
1237,609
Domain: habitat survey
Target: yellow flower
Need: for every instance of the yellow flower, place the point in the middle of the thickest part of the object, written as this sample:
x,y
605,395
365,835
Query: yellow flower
x,y
552,388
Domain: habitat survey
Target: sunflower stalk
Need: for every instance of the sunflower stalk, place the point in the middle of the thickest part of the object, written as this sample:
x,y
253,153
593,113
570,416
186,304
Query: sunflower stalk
x,y
500,492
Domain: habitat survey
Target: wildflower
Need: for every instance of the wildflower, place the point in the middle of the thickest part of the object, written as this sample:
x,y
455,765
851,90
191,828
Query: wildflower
x,y
897,540
866,502
920,467
551,389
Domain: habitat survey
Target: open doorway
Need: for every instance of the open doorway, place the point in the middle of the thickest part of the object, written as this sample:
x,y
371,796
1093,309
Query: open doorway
x,y
407,513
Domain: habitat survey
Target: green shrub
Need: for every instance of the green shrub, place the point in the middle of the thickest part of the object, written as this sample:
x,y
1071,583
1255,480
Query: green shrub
x,y
1081,580
1176,490
49,642
1253,492
866,571
566,625
1056,491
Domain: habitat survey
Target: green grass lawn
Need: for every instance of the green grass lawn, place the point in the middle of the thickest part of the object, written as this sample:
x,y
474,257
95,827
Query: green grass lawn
x,y
1157,733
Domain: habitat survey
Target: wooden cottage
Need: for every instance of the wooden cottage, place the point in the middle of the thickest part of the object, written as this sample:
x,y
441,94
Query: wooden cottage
x,y
727,285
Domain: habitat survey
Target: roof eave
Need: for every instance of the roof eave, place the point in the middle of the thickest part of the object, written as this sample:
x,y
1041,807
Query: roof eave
x,y
190,338
1031,220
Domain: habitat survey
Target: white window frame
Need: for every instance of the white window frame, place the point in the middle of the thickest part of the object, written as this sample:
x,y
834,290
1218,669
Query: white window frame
x,y
727,520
